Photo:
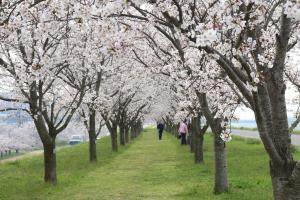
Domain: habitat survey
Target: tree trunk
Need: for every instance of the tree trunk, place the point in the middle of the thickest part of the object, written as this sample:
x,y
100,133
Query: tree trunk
x,y
50,163
48,137
294,183
285,181
122,135
126,134
198,138
279,178
199,158
93,149
188,137
114,139
272,123
221,182
193,141
132,134
193,136
285,173
92,136
112,127
174,131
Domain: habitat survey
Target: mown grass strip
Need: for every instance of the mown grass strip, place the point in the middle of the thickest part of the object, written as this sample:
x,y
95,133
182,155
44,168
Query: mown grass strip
x,y
146,169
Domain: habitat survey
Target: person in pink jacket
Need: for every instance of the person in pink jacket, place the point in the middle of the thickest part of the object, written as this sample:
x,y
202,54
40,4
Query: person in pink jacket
x,y
183,131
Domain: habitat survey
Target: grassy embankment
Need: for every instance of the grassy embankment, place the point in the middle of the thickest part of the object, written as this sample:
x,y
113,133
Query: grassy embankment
x,y
16,155
146,169
13,154
297,132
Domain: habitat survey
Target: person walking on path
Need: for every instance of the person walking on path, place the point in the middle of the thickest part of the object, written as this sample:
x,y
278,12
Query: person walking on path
x,y
160,127
183,132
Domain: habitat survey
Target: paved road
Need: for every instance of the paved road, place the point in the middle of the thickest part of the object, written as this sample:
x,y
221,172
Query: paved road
x,y
254,134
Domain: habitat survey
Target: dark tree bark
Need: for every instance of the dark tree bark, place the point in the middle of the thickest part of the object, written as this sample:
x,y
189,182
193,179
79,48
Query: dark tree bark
x,y
112,127
188,137
272,123
122,134
193,141
92,122
127,134
132,132
199,157
221,181
48,137
93,149
114,138
50,163
199,138
92,135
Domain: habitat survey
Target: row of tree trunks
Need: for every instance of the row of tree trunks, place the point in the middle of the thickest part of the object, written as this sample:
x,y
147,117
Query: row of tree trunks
x,y
135,130
196,136
7,152
126,133
196,145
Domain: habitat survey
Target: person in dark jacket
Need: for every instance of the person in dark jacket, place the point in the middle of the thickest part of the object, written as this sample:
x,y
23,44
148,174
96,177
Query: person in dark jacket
x,y
160,127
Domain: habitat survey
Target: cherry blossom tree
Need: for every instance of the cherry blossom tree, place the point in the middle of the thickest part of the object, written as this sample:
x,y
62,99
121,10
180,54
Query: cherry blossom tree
x,y
33,56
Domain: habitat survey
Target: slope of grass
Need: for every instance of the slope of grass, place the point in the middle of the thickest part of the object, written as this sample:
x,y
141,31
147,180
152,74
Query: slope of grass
x,y
13,154
296,132
146,169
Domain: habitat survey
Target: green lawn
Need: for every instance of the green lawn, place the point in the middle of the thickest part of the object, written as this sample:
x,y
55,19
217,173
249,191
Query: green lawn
x,y
146,169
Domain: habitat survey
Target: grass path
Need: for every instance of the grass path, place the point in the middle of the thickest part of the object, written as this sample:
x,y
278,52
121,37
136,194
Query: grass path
x,y
147,169
153,169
